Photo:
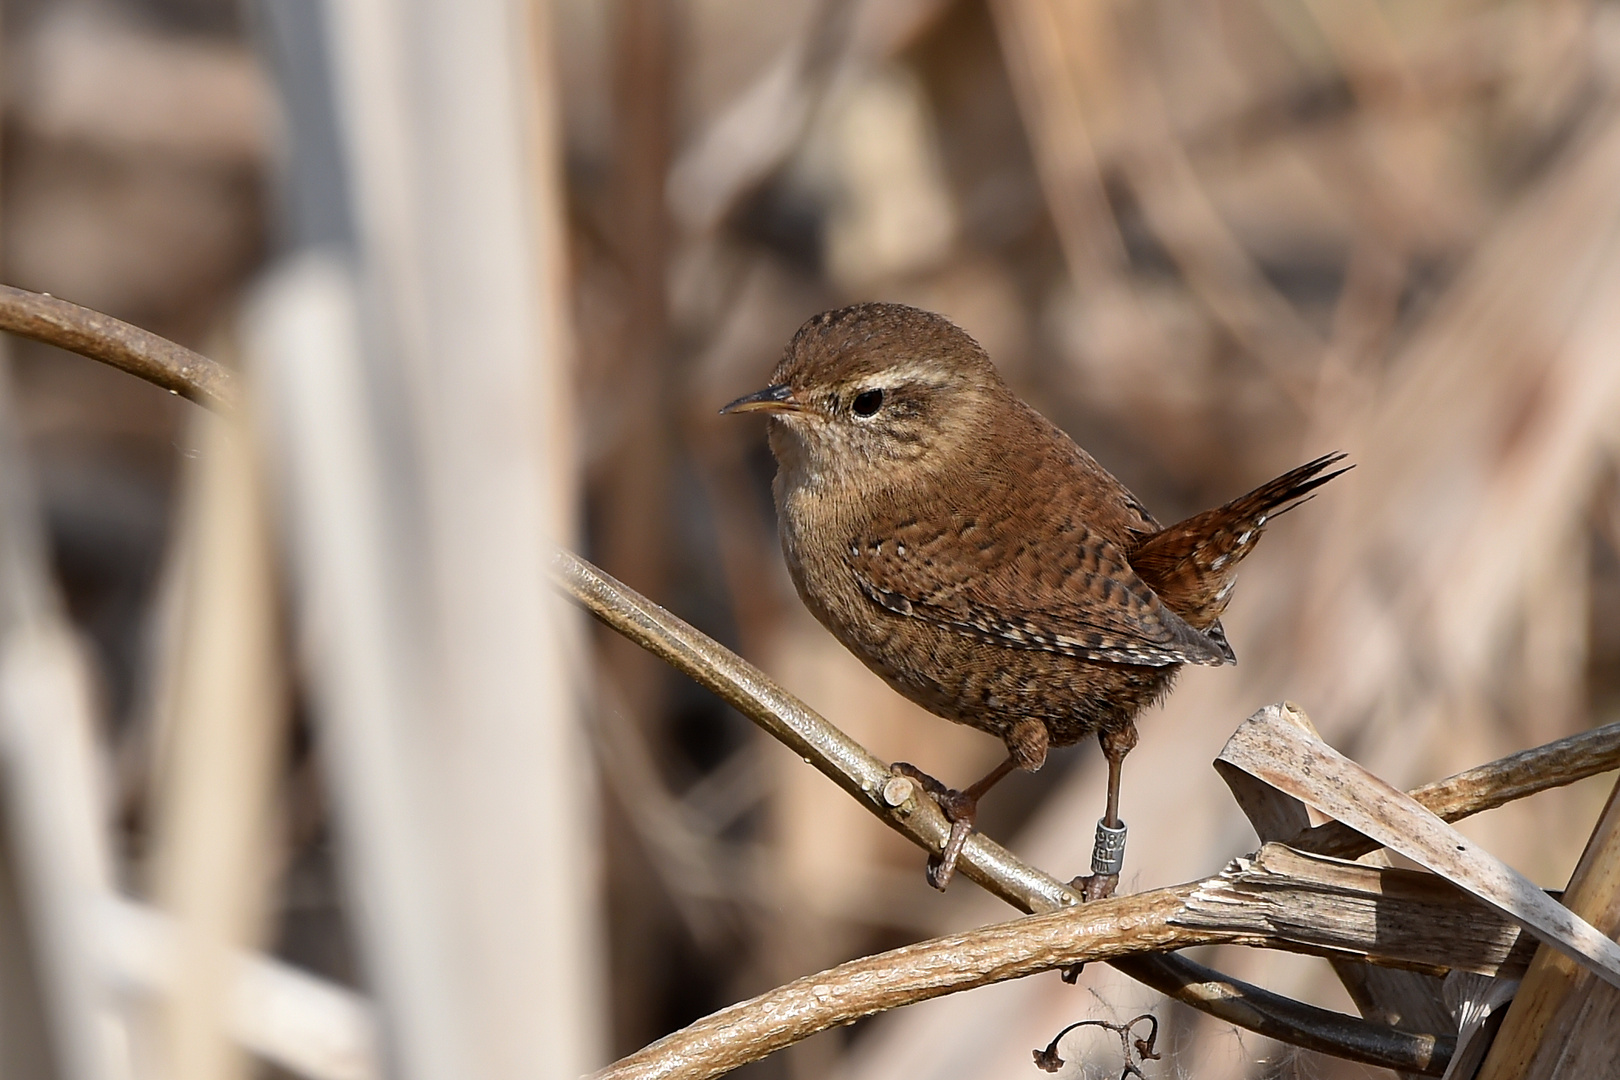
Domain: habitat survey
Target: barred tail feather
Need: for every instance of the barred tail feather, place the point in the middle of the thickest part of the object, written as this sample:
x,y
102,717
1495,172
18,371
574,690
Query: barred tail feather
x,y
1192,565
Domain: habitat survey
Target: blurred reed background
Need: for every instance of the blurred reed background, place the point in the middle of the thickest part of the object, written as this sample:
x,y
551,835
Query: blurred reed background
x,y
1210,239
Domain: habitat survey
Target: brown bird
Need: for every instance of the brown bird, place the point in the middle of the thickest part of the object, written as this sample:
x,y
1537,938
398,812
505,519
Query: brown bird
x,y
982,563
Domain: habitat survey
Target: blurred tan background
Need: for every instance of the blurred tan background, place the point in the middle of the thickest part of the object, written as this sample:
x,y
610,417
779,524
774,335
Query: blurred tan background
x,y
1210,238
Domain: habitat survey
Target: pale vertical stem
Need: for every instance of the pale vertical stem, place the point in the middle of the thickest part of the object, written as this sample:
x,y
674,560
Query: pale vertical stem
x,y
21,1019
214,800
54,803
23,1031
55,855
47,738
303,347
23,1028
451,698
519,825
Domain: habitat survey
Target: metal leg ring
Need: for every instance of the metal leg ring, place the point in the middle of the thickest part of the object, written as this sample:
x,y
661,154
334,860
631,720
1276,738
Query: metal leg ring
x,y
1108,852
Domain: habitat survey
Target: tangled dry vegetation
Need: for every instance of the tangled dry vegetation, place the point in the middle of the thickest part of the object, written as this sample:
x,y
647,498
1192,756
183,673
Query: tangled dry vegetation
x,y
1390,934
1208,239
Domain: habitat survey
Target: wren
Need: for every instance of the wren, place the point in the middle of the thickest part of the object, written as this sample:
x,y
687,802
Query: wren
x,y
979,561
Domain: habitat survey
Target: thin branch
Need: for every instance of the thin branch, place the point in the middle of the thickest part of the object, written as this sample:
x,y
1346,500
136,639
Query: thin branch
x,y
44,318
790,1013
804,731
1256,1009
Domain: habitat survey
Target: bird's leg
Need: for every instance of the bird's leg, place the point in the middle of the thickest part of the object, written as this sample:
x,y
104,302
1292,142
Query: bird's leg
x,y
961,810
1026,749
1108,853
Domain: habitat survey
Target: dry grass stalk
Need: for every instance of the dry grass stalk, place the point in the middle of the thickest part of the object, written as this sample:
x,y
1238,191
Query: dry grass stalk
x,y
210,860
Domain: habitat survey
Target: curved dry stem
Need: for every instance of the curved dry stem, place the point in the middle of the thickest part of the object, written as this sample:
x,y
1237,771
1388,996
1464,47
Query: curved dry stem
x,y
1302,903
158,360
803,730
749,1030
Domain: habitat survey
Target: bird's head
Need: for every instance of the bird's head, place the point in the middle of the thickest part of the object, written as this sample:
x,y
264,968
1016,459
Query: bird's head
x,y
876,387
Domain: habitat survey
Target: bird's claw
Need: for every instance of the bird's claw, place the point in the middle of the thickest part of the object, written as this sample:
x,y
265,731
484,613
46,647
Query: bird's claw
x,y
1096,886
929,784
960,809
942,867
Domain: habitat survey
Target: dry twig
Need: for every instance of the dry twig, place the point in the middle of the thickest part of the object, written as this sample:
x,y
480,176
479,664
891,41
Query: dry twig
x,y
41,317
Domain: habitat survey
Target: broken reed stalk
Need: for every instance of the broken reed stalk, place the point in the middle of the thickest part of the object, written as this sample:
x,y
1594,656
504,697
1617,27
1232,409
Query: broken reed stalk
x,y
100,337
1563,1023
1279,898
1485,787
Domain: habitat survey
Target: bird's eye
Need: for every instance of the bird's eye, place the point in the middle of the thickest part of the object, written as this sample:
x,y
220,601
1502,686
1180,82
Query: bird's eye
x,y
868,402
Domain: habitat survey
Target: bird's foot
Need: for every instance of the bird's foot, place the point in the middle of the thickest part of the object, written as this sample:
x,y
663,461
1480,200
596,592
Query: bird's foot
x,y
1107,860
1096,886
1090,887
961,810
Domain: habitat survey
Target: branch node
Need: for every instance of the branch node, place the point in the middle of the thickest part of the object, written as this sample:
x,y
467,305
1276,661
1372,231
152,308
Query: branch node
x,y
898,791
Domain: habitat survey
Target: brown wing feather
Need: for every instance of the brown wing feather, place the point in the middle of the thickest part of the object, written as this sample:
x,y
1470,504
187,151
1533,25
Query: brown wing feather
x,y
1061,588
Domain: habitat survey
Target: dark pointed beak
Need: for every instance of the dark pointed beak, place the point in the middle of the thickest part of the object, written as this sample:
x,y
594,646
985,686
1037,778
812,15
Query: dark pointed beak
x,y
772,399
